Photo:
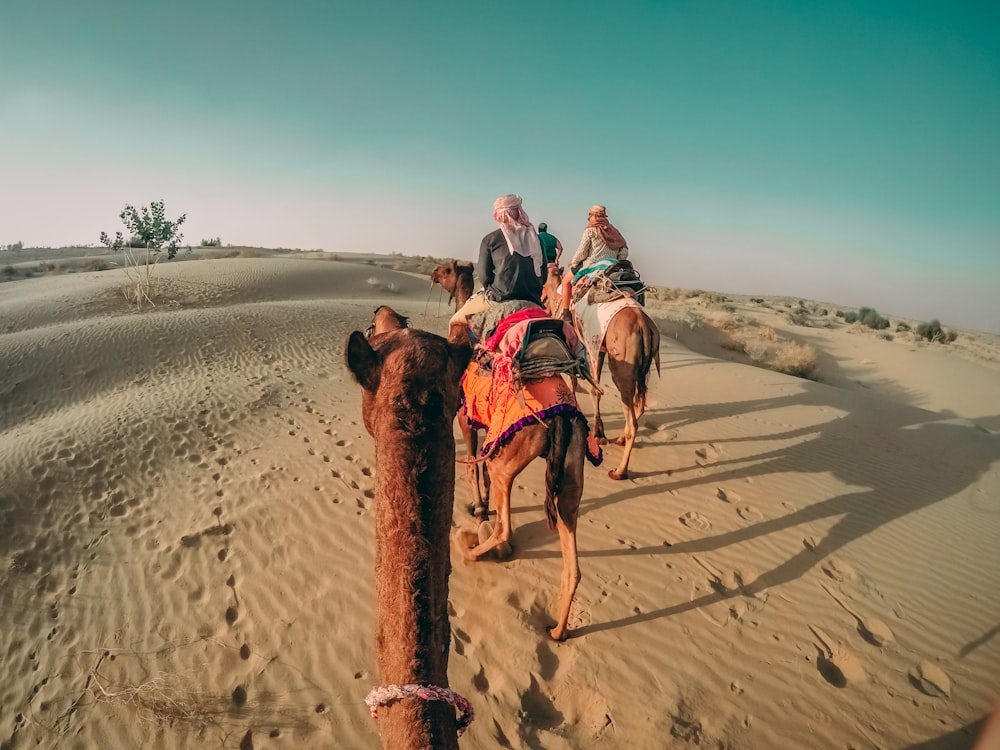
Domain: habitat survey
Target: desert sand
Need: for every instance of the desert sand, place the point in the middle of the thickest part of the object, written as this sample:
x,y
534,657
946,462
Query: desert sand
x,y
186,532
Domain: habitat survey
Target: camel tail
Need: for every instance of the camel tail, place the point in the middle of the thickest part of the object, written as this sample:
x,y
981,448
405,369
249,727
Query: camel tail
x,y
560,434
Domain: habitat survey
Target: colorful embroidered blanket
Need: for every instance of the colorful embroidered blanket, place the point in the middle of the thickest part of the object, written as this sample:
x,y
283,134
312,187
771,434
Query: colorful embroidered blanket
x,y
592,323
496,406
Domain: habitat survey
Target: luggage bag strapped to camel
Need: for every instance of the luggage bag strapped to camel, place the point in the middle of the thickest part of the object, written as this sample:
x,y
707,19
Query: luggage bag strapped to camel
x,y
618,280
544,352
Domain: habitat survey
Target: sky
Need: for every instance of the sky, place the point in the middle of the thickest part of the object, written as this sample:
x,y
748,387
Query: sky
x,y
846,152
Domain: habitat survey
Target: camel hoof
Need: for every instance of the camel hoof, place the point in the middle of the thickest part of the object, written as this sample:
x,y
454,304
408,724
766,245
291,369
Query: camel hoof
x,y
484,532
468,541
558,634
616,475
620,441
601,440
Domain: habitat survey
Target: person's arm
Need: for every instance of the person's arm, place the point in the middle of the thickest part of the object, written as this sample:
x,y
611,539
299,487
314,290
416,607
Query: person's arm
x,y
558,251
583,252
485,268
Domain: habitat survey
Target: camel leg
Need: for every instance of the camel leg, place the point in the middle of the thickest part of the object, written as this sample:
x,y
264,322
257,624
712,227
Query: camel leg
x,y
502,469
628,440
479,506
568,581
500,536
568,507
595,394
625,380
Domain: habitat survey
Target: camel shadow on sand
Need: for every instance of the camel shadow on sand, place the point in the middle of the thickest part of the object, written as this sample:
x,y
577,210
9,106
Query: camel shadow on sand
x,y
903,457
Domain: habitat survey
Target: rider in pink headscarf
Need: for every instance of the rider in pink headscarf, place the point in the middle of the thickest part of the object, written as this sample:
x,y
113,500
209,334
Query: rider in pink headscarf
x,y
510,261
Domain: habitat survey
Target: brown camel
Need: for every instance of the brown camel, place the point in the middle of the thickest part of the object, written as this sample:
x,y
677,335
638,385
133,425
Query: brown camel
x,y
561,439
455,277
410,382
631,345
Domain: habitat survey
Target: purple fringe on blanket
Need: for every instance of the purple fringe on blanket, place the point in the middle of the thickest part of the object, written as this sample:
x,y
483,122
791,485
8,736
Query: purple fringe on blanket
x,y
490,448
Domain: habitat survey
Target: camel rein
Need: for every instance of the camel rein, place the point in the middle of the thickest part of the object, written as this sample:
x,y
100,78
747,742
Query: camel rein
x,y
386,694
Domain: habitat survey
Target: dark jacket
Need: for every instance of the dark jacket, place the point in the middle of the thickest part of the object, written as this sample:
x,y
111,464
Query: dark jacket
x,y
507,275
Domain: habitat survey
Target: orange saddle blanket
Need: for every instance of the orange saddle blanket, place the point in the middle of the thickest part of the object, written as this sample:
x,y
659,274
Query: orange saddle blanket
x,y
499,407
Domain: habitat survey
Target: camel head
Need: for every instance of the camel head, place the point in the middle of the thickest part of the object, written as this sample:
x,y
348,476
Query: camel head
x,y
410,378
386,319
455,276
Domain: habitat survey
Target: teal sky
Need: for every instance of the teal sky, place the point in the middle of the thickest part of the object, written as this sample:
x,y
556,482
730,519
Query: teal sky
x,y
846,152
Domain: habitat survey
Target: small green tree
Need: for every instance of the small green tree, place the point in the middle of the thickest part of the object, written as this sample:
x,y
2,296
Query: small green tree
x,y
148,228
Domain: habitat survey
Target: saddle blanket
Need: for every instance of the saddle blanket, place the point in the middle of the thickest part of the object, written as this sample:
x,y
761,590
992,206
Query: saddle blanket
x,y
497,406
593,321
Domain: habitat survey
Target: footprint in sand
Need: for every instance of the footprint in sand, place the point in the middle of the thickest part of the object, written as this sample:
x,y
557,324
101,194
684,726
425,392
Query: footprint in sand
x,y
931,679
708,454
839,570
694,520
727,496
838,665
749,513
872,629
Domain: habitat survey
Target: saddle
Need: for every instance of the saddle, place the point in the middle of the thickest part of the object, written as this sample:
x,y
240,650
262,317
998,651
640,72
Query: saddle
x,y
544,351
619,280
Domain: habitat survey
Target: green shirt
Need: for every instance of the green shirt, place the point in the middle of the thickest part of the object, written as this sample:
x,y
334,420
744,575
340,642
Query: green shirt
x,y
548,246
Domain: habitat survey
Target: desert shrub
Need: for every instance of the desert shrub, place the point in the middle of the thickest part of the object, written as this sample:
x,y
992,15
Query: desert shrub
x,y
156,232
729,308
96,264
934,332
850,316
796,359
840,314
756,350
9,271
210,242
13,246
798,318
757,300
869,316
885,336
376,283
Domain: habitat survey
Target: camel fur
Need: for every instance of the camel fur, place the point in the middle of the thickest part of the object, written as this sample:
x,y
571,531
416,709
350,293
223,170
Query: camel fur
x,y
410,393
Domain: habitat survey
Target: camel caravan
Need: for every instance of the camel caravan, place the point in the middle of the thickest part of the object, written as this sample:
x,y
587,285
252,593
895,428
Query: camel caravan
x,y
509,372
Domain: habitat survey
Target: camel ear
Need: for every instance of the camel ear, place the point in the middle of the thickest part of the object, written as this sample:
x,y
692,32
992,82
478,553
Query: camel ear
x,y
362,361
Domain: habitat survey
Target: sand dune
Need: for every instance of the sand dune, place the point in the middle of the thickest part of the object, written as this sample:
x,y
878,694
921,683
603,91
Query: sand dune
x,y
186,536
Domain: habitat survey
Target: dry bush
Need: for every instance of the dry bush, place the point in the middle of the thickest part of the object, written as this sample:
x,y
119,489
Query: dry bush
x,y
97,264
795,359
376,283
757,350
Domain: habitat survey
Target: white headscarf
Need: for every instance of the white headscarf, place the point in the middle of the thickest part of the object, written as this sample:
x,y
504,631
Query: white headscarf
x,y
517,229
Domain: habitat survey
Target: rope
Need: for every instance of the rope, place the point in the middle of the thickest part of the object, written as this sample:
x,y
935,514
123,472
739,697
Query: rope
x,y
387,694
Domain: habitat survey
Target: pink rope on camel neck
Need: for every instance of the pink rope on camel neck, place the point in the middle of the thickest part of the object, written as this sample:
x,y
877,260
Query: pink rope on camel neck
x,y
386,694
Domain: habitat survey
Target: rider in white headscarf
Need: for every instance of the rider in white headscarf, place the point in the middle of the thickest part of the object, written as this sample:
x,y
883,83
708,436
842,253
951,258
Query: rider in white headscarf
x,y
510,261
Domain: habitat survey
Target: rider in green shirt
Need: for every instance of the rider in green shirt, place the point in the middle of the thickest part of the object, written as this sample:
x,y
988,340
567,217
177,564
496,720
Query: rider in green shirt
x,y
551,247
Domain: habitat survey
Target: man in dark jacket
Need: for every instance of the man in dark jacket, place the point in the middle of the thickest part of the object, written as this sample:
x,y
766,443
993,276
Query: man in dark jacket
x,y
510,261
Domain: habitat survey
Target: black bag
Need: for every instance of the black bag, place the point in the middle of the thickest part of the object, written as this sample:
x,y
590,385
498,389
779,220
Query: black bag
x,y
623,277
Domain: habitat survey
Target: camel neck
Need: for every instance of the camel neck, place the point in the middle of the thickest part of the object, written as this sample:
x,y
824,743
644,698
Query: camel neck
x,y
414,492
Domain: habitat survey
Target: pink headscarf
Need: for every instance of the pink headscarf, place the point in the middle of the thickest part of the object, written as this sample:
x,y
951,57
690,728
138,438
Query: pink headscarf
x,y
517,229
598,217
